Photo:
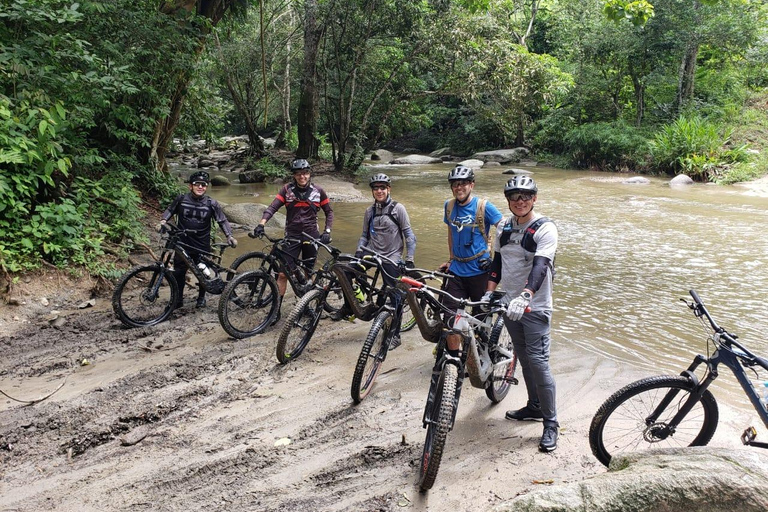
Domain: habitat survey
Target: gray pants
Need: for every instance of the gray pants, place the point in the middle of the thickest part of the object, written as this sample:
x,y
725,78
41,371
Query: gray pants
x,y
530,337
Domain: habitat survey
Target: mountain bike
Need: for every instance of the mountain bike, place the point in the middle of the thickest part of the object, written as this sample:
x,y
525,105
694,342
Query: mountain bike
x,y
487,358
393,310
146,294
245,296
302,321
675,411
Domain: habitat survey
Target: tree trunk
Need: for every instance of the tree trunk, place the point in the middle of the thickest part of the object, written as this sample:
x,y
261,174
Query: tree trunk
x,y
687,73
308,109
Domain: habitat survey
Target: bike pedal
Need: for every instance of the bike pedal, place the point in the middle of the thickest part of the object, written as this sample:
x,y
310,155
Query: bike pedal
x,y
749,435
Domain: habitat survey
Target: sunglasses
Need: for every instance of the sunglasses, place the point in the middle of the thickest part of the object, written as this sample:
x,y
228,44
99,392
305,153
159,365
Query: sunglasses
x,y
379,187
200,184
303,173
519,197
457,184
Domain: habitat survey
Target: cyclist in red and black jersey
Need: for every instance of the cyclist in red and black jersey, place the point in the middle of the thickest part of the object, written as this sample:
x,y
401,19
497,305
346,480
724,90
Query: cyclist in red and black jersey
x,y
302,199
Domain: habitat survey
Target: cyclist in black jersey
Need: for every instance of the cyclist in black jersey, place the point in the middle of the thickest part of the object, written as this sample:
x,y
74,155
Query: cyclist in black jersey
x,y
194,212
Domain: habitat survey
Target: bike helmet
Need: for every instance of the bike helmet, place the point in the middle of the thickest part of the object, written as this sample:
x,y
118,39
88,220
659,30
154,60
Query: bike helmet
x,y
461,172
299,165
199,176
520,183
379,178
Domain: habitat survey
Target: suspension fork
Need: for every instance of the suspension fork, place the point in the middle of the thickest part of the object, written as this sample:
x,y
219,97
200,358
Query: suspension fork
x,y
698,390
437,370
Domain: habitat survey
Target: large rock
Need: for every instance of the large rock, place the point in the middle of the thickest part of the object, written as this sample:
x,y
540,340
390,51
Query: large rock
x,y
472,163
249,214
252,176
441,152
219,181
681,179
416,160
382,155
503,156
700,479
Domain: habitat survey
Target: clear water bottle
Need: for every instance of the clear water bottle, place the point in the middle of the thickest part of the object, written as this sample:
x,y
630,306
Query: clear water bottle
x,y
205,270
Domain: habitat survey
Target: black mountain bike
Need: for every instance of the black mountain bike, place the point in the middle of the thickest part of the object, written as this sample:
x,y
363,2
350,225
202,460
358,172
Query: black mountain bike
x,y
487,358
374,351
146,294
244,298
302,321
675,411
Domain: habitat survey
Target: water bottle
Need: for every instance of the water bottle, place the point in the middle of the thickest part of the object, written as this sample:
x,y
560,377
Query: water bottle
x,y
205,270
359,295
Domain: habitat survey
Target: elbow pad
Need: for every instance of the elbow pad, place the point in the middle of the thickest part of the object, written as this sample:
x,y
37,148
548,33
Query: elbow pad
x,y
494,273
541,266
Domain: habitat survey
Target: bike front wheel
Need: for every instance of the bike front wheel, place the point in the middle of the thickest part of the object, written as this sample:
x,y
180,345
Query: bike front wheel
x,y
248,304
371,356
299,326
504,375
439,424
637,417
408,321
145,296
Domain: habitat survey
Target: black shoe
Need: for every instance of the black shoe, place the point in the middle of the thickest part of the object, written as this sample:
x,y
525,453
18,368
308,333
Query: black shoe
x,y
548,441
200,302
394,342
527,413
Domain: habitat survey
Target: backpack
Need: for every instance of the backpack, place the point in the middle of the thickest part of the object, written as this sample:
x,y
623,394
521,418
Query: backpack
x,y
389,213
479,224
527,242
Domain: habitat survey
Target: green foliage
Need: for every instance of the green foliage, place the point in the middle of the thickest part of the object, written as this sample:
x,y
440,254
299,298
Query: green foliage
x,y
696,147
637,12
606,146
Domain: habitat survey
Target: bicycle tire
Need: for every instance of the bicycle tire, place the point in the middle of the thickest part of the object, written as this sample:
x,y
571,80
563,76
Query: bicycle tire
x,y
372,355
248,304
437,430
248,261
334,300
299,326
502,377
140,301
407,320
620,424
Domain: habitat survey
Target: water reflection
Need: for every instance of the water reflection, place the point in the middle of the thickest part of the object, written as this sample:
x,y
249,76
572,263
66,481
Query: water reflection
x,y
627,254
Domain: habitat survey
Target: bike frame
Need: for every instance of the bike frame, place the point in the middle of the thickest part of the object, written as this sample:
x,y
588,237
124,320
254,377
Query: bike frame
x,y
174,245
729,353
279,257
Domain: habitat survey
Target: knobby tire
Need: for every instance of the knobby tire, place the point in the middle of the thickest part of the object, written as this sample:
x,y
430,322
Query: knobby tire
x,y
299,326
437,431
140,301
372,355
248,304
620,425
502,376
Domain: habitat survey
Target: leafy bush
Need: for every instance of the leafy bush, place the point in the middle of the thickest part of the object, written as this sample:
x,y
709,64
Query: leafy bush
x,y
696,147
606,146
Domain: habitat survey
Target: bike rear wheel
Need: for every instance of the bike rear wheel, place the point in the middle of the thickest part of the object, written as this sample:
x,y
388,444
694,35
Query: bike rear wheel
x,y
248,304
504,376
439,425
408,321
145,296
372,355
299,326
253,260
335,298
623,423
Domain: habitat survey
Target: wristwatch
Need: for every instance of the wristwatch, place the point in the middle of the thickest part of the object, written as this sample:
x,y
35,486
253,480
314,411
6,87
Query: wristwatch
x,y
526,295
328,230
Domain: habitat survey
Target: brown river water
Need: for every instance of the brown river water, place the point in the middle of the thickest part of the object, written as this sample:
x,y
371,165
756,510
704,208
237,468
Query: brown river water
x,y
627,254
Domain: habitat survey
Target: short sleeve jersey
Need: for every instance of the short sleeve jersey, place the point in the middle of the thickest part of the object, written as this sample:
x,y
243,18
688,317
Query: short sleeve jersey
x,y
466,237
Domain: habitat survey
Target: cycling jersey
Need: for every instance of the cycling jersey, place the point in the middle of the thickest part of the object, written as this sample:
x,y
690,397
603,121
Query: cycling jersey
x,y
195,213
467,240
385,225
301,205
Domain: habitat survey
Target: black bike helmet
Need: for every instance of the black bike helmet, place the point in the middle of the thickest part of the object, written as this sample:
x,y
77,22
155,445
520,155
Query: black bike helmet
x,y
522,184
379,178
461,172
199,176
299,164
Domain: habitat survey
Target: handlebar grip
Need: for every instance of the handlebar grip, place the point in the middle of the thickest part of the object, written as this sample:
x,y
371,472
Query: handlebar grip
x,y
695,296
411,282
251,235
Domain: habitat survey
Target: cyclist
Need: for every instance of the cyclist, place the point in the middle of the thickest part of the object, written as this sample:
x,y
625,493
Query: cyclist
x,y
194,212
523,266
302,199
387,231
469,221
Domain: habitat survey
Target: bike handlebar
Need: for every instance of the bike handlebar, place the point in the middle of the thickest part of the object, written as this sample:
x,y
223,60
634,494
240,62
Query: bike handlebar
x,y
700,310
498,306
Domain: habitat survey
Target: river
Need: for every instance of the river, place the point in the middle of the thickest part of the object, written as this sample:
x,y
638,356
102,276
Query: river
x,y
627,254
